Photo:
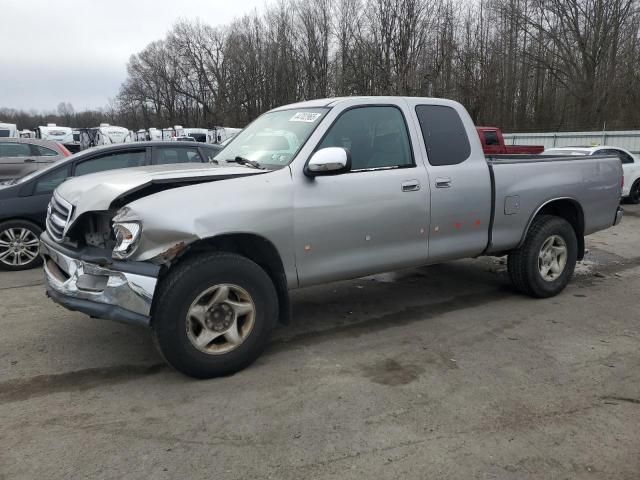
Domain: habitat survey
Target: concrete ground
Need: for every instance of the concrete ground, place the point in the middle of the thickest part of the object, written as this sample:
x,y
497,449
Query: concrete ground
x,y
439,372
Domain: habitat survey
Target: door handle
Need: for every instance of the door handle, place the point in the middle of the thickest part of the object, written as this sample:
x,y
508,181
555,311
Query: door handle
x,y
443,182
29,160
411,186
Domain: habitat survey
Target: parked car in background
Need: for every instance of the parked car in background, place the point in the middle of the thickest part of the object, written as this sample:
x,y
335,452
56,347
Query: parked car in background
x,y
23,202
311,193
20,156
8,130
492,143
630,165
185,138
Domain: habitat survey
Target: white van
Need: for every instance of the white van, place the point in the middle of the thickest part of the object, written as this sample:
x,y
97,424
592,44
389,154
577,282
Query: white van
x,y
55,133
8,130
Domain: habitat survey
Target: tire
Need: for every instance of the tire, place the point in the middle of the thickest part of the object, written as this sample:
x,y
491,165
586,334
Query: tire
x,y
634,193
527,264
194,284
19,245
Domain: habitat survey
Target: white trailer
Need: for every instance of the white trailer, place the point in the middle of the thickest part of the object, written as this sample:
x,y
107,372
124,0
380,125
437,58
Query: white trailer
x,y
8,130
110,134
154,134
55,133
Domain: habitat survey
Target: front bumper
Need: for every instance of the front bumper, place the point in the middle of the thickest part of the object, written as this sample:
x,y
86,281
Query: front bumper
x,y
98,287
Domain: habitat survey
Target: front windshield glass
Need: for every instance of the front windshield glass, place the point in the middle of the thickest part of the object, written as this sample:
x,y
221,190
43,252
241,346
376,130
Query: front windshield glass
x,y
274,139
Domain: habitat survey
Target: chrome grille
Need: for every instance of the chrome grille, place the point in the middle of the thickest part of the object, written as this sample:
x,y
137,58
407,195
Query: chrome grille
x,y
58,215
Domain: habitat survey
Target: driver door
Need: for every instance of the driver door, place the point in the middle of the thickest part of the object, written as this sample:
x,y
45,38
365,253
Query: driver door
x,y
371,219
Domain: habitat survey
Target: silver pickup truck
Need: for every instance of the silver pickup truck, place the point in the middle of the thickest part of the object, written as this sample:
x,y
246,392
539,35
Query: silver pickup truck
x,y
310,193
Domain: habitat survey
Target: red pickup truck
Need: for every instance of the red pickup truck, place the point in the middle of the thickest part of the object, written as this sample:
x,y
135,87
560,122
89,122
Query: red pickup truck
x,y
493,143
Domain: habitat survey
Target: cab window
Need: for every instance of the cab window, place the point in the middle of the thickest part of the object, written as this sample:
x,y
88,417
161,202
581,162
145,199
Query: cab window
x,y
491,138
376,137
444,135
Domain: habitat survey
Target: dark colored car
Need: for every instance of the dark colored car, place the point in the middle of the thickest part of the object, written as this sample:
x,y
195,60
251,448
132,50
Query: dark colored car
x,y
23,202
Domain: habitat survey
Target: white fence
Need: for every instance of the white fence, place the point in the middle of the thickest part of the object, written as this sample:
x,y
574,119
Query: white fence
x,y
629,139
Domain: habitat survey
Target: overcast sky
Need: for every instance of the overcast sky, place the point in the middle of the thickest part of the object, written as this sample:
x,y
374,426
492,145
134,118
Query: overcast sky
x,y
77,50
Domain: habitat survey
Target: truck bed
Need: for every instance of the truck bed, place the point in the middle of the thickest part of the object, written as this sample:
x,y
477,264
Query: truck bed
x,y
522,184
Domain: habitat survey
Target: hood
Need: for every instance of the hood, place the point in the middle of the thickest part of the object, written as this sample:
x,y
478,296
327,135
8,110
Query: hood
x,y
98,191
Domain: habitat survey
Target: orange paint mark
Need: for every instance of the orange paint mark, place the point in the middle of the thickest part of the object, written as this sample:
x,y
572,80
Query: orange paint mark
x,y
477,222
457,225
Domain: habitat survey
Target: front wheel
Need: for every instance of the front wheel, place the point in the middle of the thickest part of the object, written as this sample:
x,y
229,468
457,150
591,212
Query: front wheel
x,y
213,314
544,264
19,245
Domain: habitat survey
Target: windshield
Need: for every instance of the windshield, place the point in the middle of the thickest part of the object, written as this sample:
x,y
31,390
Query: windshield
x,y
275,138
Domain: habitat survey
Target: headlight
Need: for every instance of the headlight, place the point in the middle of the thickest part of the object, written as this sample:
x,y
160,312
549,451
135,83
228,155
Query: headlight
x,y
127,235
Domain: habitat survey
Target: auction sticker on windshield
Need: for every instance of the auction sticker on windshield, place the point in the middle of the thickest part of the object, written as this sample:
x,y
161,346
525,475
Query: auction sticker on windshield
x,y
309,117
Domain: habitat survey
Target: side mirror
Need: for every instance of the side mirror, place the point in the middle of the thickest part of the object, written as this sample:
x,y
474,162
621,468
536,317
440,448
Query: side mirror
x,y
328,161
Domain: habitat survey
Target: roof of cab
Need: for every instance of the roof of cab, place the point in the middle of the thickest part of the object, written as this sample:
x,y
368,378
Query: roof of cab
x,y
333,101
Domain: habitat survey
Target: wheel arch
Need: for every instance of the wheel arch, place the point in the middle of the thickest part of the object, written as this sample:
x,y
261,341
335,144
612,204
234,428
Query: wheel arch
x,y
564,207
257,249
38,224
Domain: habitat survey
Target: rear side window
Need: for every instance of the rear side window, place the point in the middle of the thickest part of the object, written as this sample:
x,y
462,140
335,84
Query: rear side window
x,y
111,162
48,182
376,137
10,149
41,151
491,138
444,135
162,155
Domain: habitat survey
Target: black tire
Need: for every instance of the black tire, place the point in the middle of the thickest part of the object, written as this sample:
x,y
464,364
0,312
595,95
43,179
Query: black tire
x,y
34,232
183,284
523,262
634,193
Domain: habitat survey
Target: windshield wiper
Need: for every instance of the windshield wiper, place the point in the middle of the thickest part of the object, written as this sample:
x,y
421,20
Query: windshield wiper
x,y
245,161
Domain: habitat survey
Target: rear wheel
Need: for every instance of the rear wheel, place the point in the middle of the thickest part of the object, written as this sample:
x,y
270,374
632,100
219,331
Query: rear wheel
x,y
544,264
214,314
634,193
19,245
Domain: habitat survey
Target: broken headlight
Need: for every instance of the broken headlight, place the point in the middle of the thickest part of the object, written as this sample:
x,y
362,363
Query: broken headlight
x,y
127,235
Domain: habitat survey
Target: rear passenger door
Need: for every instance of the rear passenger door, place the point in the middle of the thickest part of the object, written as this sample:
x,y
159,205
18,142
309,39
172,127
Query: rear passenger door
x,y
461,193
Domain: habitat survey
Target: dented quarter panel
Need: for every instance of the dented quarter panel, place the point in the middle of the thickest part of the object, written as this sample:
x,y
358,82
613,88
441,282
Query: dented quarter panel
x,y
256,204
